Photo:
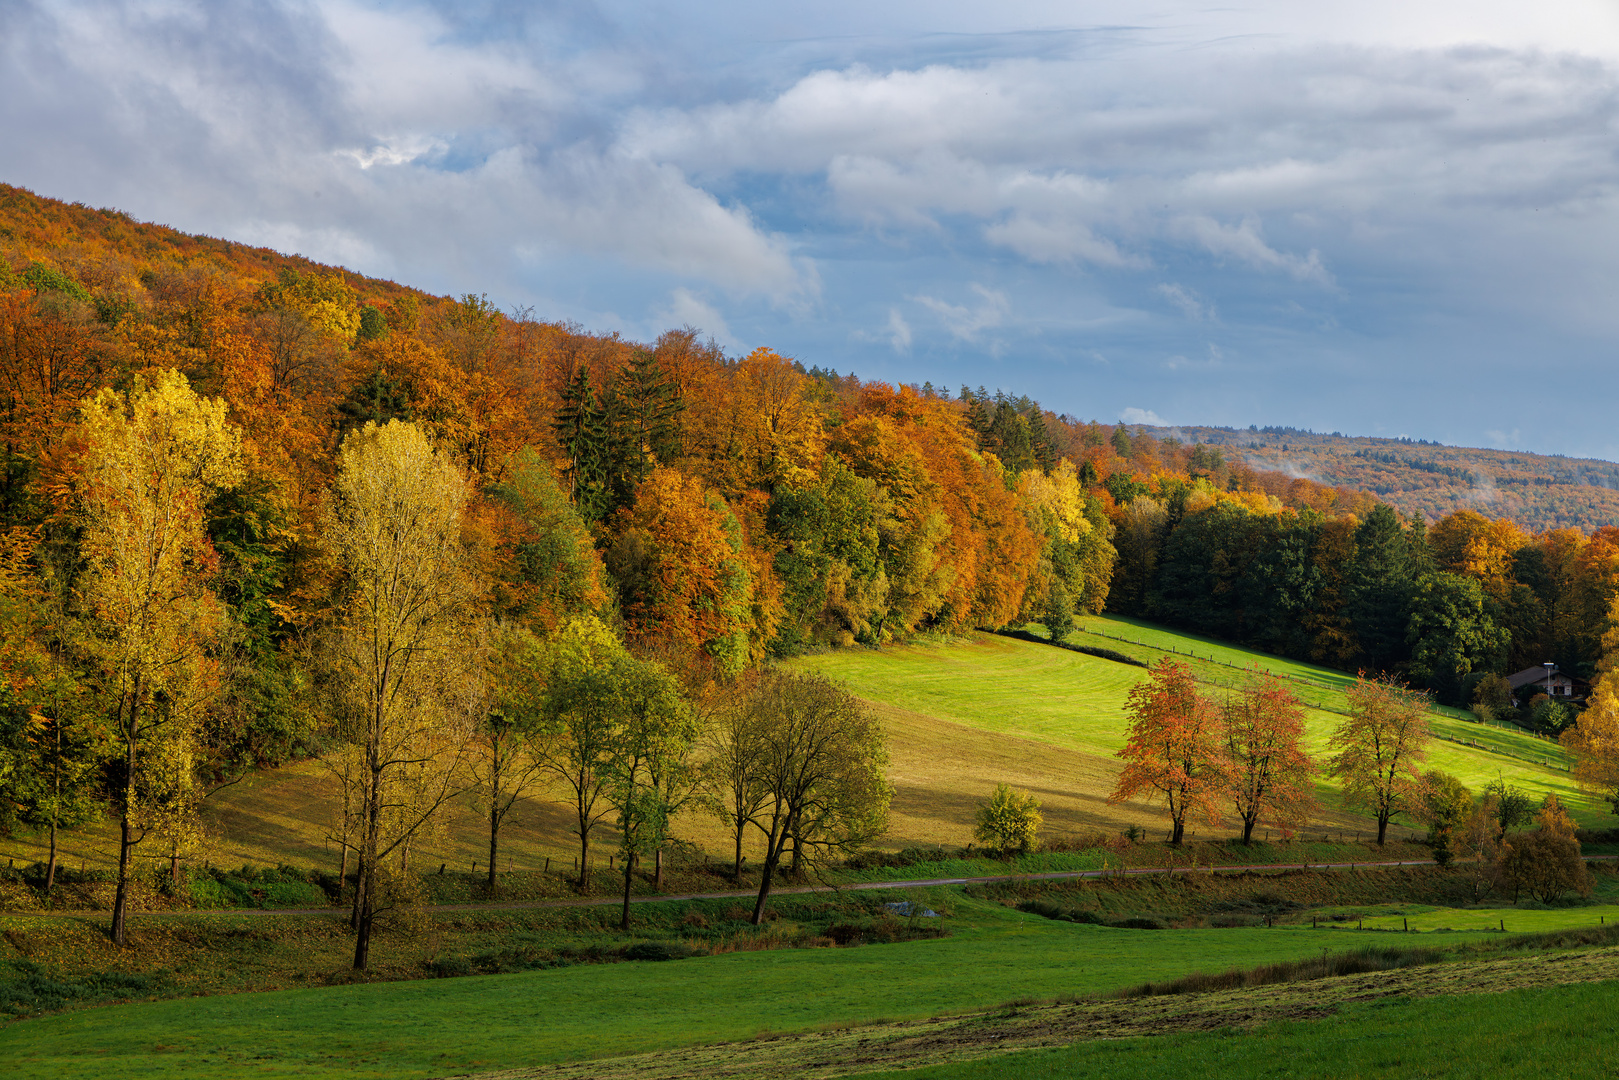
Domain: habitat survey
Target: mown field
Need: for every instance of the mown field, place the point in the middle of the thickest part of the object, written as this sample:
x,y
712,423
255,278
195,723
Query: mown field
x,y
438,1027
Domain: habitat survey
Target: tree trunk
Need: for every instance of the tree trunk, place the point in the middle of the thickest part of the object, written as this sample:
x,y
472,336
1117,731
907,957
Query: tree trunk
x,y
1179,834
772,856
1382,828
584,861
126,843
50,867
365,892
657,870
1248,824
629,869
494,811
120,904
174,869
736,866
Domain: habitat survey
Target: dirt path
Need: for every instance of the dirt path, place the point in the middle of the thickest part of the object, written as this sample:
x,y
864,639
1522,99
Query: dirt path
x,y
911,1044
748,894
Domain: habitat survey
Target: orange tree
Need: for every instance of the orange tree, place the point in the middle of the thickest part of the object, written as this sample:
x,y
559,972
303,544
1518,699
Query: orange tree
x,y
1378,748
1174,750
1269,774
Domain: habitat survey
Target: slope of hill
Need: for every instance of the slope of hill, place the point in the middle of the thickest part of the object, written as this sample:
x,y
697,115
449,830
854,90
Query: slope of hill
x,y
1537,491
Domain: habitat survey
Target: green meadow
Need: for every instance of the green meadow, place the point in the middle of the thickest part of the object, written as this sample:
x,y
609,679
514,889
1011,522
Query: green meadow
x,y
1073,703
1562,1031
433,1027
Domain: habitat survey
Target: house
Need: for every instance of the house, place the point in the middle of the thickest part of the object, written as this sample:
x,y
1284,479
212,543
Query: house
x,y
1540,680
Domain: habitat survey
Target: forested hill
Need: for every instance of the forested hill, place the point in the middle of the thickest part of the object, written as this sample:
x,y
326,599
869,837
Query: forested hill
x,y
1537,491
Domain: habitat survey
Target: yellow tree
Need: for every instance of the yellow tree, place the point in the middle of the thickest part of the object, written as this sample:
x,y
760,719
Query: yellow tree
x,y
1594,737
1379,747
403,657
152,457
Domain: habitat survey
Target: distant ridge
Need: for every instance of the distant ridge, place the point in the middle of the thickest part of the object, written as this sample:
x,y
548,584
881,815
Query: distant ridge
x,y
1538,491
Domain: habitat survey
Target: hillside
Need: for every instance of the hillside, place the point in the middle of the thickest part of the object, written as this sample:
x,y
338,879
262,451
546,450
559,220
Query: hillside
x,y
1537,491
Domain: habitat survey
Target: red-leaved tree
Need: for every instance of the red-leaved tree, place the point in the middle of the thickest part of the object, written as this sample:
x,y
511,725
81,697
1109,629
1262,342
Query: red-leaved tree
x,y
1174,748
1268,773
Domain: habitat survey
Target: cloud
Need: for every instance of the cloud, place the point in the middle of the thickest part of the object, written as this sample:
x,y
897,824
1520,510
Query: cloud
x,y
1189,303
1243,243
1407,193
1134,415
966,323
686,308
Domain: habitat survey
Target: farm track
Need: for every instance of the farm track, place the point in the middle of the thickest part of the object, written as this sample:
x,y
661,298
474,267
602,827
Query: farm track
x,y
796,890
914,1043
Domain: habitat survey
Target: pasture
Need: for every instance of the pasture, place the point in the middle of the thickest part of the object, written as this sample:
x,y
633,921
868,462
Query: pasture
x,y
434,1027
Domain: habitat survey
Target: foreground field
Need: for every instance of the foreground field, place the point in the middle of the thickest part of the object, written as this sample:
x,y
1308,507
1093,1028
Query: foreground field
x,y
1563,1031
437,1027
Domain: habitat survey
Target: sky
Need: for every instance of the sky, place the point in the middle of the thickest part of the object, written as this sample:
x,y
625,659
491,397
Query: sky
x,y
1374,217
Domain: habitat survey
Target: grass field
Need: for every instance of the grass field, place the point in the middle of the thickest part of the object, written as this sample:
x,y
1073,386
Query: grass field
x,y
1047,702
428,1028
1563,1031
962,715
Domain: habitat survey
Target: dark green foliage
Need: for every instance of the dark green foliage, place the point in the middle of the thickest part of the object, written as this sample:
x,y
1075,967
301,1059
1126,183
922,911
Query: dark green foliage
x,y
1513,805
829,560
659,950
373,324
1125,488
1451,634
554,563
377,400
265,719
26,990
1381,584
45,279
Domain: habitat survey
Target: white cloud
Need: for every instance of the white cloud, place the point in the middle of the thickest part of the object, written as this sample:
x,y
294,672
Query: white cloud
x,y
1189,303
966,323
899,331
1134,415
686,308
1243,243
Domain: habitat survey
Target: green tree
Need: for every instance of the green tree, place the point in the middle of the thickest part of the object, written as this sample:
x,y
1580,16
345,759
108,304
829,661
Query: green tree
x,y
654,745
1007,822
583,723
820,766
1451,633
1380,588
1447,806
503,763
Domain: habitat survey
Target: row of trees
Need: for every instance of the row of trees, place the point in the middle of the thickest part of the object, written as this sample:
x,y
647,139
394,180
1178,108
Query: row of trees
x,y
1244,755
425,680
1443,606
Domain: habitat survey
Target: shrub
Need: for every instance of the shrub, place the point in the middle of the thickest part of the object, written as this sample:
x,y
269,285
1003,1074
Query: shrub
x,y
658,950
1008,821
